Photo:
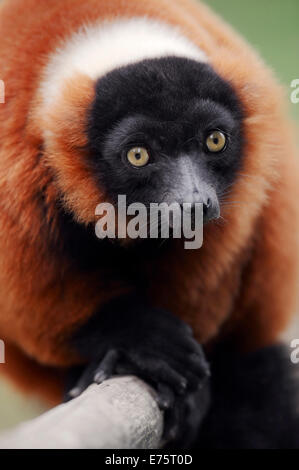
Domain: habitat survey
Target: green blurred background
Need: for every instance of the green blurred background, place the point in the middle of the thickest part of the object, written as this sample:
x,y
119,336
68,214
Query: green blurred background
x,y
271,26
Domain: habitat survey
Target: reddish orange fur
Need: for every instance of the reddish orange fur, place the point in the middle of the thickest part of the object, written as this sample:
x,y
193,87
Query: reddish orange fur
x,y
242,283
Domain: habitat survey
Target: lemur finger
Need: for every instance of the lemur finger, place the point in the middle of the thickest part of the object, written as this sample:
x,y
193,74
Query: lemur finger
x,y
192,373
158,370
186,362
198,355
171,426
106,367
85,380
187,344
165,397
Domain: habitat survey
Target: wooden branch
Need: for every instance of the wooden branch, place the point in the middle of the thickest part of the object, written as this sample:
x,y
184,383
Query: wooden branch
x,y
121,413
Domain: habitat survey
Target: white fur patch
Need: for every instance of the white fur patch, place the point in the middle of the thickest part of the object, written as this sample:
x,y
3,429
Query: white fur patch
x,y
98,49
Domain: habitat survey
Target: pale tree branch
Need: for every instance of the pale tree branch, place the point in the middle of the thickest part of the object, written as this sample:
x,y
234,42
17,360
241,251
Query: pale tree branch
x,y
121,413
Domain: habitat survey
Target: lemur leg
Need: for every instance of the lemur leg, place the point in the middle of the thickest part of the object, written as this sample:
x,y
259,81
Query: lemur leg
x,y
129,337
255,402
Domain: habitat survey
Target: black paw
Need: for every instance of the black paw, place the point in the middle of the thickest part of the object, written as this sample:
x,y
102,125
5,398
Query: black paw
x,y
129,337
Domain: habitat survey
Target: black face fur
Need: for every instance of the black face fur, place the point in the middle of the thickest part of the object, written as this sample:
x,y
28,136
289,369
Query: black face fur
x,y
169,106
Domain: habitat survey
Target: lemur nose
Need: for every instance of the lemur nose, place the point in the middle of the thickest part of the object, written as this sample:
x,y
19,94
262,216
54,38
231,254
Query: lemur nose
x,y
211,209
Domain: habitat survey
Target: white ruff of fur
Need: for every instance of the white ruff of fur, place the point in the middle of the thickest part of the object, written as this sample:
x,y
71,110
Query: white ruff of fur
x,y
98,49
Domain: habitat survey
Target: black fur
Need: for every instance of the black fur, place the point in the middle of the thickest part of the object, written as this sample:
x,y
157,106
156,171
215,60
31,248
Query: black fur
x,y
80,244
129,337
169,106
250,401
255,401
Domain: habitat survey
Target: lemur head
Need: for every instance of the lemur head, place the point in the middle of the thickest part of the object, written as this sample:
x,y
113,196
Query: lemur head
x,y
165,130
160,127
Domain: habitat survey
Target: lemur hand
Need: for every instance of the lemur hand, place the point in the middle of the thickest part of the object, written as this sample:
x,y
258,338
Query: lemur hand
x,y
129,337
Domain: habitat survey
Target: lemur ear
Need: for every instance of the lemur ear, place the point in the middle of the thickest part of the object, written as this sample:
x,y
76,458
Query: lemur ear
x,y
63,128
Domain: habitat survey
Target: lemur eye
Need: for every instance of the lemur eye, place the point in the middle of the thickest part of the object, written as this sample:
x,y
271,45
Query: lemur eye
x,y
216,142
138,156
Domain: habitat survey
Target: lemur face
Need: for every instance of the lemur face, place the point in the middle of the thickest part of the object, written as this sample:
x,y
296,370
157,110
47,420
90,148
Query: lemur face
x,y
166,130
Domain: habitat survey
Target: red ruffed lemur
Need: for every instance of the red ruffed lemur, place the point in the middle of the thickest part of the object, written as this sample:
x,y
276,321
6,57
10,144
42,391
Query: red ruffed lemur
x,y
87,83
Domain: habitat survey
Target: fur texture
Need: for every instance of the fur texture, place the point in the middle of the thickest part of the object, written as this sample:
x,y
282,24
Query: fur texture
x,y
242,283
246,392
117,43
